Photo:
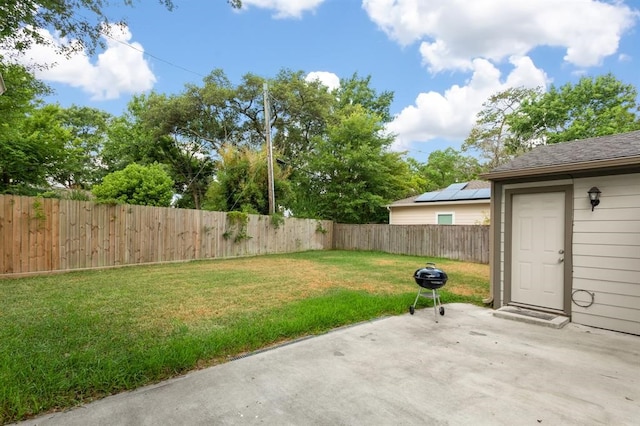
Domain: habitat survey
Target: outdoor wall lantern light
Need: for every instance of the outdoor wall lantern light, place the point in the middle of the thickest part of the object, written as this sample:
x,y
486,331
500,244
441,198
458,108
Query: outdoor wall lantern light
x,y
594,196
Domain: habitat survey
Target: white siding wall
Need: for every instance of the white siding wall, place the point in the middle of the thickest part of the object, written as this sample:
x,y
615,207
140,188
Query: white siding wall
x,y
463,214
606,253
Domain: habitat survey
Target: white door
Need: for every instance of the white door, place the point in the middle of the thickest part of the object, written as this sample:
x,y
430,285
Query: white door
x,y
537,270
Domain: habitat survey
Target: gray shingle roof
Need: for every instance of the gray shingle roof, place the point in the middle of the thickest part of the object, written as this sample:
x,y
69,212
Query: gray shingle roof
x,y
575,153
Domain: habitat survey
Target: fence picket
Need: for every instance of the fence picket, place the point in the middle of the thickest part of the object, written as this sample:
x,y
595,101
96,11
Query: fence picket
x,y
461,242
50,235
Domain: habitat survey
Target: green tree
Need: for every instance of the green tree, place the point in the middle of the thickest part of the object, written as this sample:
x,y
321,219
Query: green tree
x,y
31,139
136,184
81,166
187,131
351,173
595,106
358,91
167,130
128,139
491,136
241,182
418,178
448,166
299,112
81,20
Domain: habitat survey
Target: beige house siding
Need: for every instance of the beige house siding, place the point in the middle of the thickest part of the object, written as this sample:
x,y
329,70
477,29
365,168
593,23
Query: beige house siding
x,y
464,213
606,253
605,247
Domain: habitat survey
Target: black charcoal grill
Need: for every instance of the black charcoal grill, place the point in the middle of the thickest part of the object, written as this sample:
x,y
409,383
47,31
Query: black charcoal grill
x,y
430,278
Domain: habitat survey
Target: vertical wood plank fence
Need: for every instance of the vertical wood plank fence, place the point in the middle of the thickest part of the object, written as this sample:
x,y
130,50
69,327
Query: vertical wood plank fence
x,y
39,235
469,243
42,235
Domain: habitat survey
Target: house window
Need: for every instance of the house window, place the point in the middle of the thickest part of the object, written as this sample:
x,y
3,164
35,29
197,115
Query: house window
x,y
444,218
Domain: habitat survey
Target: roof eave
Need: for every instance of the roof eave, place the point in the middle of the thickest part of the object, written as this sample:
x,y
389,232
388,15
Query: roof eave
x,y
563,168
447,202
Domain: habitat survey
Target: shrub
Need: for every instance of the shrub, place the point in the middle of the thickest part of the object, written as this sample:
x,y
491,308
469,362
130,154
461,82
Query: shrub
x,y
136,184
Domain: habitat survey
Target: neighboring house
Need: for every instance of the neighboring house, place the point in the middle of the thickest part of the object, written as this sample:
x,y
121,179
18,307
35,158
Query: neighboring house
x,y
551,250
465,203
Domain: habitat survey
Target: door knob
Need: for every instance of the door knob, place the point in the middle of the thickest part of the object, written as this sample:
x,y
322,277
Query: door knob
x,y
561,251
560,259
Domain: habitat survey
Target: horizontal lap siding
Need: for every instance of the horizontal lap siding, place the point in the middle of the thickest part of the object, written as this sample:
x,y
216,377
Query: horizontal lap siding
x,y
425,214
606,254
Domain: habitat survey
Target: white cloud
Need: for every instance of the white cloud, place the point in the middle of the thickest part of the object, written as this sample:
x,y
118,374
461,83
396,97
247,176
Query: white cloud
x,y
329,79
477,37
623,57
120,69
285,8
452,114
453,33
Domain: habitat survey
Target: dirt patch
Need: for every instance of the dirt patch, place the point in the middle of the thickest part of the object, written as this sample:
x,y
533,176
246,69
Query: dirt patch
x,y
462,290
209,290
476,269
387,262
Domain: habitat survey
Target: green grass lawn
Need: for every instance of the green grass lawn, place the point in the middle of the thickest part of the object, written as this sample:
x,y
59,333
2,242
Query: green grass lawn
x,y
70,338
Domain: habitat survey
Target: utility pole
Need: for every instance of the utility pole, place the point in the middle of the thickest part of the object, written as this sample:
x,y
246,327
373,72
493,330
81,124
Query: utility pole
x,y
3,88
267,119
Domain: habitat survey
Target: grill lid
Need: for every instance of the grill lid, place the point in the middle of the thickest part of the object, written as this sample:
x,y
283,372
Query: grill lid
x,y
430,277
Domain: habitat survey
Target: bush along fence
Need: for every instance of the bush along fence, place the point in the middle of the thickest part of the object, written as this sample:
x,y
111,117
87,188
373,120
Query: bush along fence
x,y
468,243
39,235
43,235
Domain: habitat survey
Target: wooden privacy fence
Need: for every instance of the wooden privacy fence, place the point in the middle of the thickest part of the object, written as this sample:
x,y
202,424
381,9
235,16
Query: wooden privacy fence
x,y
39,235
468,243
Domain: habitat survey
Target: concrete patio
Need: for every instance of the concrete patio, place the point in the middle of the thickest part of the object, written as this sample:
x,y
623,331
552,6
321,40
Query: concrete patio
x,y
470,368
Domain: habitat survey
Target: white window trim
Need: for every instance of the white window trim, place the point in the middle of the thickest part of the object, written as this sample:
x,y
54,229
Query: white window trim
x,y
453,217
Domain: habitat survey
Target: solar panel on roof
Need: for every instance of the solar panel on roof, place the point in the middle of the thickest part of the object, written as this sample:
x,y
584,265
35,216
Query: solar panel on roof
x,y
455,192
445,195
484,193
427,196
456,186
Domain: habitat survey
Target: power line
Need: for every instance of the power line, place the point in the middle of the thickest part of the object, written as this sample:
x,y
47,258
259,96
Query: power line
x,y
153,56
107,35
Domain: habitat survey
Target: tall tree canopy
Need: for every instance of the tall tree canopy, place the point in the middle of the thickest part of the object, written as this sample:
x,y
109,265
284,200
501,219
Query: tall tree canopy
x,y
491,137
187,131
81,166
595,106
30,139
357,90
448,166
350,174
517,119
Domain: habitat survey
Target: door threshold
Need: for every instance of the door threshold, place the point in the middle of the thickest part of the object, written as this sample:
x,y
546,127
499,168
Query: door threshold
x,y
537,308
531,316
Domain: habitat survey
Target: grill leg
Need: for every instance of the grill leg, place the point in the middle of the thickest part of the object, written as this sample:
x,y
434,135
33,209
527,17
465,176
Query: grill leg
x,y
417,297
436,300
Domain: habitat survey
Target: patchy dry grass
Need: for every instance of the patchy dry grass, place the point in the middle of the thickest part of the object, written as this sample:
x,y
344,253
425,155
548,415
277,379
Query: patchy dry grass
x,y
74,337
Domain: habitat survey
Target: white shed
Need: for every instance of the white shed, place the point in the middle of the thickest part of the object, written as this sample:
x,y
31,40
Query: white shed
x,y
553,249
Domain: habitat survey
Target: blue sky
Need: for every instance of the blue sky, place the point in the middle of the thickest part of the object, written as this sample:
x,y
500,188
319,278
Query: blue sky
x,y
441,58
